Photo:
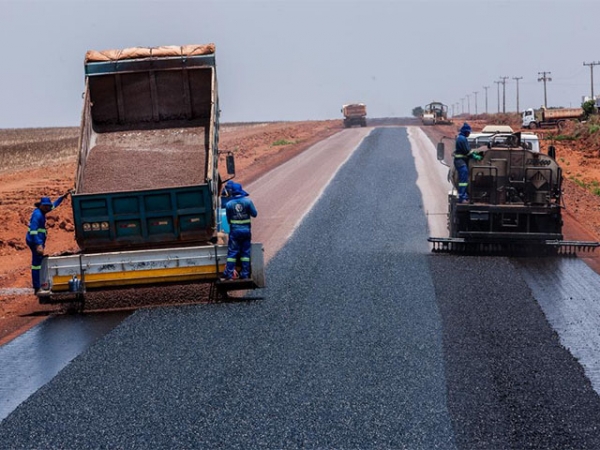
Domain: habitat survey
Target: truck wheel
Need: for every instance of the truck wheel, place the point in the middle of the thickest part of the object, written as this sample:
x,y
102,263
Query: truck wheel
x,y
561,124
532,126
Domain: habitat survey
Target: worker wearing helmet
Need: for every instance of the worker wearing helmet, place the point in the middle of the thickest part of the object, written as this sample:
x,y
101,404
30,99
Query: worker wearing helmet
x,y
462,153
36,236
239,210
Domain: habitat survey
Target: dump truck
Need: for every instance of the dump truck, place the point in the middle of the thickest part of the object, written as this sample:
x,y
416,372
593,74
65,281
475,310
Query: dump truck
x,y
515,203
435,113
550,117
146,203
354,114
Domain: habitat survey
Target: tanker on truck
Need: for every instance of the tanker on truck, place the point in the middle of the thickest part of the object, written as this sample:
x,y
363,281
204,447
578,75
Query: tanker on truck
x,y
146,198
515,201
550,117
354,114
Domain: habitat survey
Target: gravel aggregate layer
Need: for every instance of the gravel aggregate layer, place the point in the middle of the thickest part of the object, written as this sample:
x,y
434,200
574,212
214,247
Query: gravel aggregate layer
x,y
511,384
145,159
344,351
363,340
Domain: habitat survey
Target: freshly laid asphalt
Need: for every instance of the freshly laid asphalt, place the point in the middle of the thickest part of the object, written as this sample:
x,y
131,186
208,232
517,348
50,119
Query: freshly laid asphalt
x,y
363,340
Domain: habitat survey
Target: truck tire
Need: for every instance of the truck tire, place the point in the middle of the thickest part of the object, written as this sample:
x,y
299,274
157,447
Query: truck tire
x,y
561,124
532,126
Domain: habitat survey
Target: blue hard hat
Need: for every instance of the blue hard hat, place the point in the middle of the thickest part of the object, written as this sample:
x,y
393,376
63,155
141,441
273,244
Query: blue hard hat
x,y
466,128
45,201
235,189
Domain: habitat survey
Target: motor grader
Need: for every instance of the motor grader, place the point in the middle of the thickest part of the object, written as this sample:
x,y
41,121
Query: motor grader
x,y
515,202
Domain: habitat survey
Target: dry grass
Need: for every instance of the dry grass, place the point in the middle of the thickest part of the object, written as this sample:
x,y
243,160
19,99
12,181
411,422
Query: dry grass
x,y
23,148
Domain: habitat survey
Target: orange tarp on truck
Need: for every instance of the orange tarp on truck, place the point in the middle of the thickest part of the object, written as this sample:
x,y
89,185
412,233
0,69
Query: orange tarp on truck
x,y
148,52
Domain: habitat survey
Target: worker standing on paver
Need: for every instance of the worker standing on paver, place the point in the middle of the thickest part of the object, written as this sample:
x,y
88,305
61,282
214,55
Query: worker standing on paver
x,y
462,153
36,236
240,210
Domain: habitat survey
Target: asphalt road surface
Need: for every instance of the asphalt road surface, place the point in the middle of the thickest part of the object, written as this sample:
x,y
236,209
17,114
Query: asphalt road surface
x,y
364,340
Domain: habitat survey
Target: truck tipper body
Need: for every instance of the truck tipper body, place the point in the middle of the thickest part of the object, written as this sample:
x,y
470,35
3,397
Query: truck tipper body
x,y
553,117
355,114
146,198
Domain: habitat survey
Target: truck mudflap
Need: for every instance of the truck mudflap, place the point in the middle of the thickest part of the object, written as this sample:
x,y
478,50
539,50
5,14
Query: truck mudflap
x,y
511,247
76,274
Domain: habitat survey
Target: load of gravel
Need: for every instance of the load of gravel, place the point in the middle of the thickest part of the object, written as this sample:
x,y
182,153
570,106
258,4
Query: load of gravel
x,y
145,159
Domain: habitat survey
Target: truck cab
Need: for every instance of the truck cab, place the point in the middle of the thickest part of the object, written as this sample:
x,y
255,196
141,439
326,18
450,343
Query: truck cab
x,y
528,117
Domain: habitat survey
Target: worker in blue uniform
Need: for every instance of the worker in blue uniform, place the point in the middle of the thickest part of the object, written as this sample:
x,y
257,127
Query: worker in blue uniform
x,y
462,153
36,236
240,211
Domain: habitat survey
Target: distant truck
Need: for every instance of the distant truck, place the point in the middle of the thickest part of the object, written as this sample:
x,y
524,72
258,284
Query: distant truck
x,y
355,114
146,205
435,113
550,117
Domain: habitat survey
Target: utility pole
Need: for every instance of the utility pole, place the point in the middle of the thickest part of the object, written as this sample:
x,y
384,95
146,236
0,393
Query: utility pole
x,y
503,93
475,92
486,102
462,109
468,104
517,80
544,77
498,84
592,64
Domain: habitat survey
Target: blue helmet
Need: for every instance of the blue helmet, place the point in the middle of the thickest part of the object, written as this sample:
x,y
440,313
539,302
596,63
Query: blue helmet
x,y
235,189
466,128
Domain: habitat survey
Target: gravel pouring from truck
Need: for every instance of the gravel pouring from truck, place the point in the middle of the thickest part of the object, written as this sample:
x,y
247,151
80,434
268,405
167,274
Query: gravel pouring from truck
x,y
147,185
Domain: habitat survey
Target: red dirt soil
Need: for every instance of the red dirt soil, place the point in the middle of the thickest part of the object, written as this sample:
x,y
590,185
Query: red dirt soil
x,y
258,148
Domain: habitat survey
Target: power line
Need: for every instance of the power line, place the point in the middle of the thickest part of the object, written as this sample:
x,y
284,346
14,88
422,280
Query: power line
x,y
503,81
517,80
592,64
498,84
486,98
545,78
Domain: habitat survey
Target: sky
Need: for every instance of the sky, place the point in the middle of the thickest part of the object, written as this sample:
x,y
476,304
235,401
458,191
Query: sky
x,y
280,60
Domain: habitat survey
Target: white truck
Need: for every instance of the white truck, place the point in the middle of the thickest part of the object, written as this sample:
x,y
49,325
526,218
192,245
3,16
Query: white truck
x,y
550,117
499,133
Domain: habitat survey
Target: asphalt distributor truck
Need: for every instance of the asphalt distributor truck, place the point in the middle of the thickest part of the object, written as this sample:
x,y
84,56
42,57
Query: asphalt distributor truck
x,y
147,195
515,202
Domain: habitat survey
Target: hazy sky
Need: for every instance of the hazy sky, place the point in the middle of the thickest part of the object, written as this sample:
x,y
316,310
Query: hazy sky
x,y
303,59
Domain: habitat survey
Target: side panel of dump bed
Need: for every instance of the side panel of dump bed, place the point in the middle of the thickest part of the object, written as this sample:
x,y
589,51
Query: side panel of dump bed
x,y
152,218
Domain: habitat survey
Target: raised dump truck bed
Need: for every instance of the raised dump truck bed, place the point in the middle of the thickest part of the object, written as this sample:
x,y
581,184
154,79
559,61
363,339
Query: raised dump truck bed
x,y
147,174
146,197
